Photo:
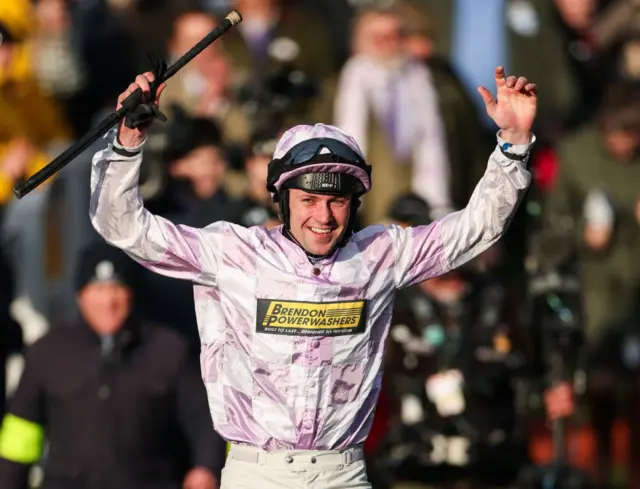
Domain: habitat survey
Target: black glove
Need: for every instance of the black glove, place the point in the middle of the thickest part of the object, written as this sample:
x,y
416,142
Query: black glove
x,y
145,109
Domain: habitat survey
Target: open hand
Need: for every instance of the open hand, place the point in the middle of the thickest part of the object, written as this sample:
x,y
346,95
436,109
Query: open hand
x,y
515,107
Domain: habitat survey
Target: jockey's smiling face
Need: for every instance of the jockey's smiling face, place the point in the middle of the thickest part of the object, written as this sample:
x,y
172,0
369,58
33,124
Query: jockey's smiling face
x,y
318,221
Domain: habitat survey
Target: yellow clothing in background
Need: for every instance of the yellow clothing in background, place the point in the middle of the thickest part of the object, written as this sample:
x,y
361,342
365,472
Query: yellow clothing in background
x,y
25,110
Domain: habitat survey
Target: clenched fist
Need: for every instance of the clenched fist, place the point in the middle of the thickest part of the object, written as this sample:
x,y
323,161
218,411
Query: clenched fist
x,y
132,138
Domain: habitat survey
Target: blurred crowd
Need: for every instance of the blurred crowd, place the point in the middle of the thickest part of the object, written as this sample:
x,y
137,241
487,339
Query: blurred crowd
x,y
552,312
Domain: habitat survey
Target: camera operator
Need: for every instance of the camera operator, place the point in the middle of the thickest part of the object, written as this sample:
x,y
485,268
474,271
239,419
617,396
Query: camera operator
x,y
195,163
269,24
205,86
594,205
452,361
257,207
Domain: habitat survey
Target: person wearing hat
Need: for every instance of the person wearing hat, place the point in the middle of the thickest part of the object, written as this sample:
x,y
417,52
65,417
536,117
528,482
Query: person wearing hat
x,y
118,400
293,320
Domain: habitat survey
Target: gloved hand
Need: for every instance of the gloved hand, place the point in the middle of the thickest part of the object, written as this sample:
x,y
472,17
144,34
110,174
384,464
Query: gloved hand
x,y
145,109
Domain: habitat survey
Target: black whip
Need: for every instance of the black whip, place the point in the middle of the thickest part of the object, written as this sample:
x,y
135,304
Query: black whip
x,y
128,104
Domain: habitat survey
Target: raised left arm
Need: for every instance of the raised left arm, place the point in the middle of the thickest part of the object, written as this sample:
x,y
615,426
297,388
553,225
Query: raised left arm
x,y
424,252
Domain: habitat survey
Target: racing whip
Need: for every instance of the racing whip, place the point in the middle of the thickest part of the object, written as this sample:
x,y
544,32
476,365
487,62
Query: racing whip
x,y
129,105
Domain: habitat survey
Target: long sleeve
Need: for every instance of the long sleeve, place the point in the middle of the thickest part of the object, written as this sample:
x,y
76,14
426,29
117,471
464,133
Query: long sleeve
x,y
426,251
117,213
22,431
207,447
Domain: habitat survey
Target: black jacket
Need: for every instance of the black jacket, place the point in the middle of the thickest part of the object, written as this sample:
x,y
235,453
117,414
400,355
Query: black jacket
x,y
11,340
135,418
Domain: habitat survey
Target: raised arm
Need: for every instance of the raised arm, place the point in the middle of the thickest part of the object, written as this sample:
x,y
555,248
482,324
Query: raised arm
x,y
427,251
118,214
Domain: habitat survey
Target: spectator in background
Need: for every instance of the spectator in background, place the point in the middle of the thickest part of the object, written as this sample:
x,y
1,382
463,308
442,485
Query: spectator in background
x,y
521,35
56,57
272,30
74,49
70,45
203,88
276,38
595,203
75,45
457,111
32,131
591,65
616,33
115,397
148,22
462,324
257,204
196,163
389,103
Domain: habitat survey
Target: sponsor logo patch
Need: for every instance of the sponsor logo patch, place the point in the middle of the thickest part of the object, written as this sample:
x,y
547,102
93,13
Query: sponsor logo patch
x,y
295,318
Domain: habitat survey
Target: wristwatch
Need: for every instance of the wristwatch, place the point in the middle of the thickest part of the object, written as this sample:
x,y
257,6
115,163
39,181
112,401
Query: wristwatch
x,y
505,151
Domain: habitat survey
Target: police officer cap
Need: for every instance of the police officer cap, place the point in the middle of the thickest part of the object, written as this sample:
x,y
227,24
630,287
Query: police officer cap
x,y
102,263
411,210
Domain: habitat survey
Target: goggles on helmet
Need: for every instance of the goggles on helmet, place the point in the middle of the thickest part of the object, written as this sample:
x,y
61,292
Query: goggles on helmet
x,y
308,158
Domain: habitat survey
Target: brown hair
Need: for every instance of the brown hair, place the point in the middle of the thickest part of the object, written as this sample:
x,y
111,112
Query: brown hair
x,y
620,109
414,19
358,35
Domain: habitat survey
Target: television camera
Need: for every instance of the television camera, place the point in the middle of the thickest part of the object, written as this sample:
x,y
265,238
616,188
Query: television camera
x,y
556,318
453,371
270,100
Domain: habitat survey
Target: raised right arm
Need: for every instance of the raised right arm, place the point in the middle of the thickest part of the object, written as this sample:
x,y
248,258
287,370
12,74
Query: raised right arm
x,y
118,215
